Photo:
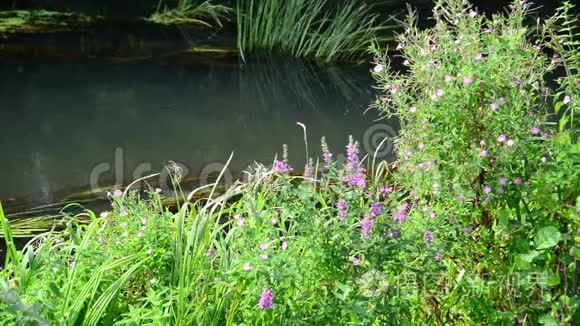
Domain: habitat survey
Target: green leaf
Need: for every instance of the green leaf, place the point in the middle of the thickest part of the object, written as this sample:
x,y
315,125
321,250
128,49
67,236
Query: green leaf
x,y
525,259
547,237
547,320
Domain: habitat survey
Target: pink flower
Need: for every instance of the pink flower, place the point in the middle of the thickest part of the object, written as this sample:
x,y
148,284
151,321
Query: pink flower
x,y
501,138
567,99
483,153
158,190
264,257
266,298
493,107
274,221
355,261
209,253
433,215
518,181
478,57
379,68
503,181
500,191
535,131
406,63
461,198
472,13
394,89
366,226
448,78
510,142
428,237
117,193
104,214
467,81
487,190
439,93
412,109
239,219
264,246
284,245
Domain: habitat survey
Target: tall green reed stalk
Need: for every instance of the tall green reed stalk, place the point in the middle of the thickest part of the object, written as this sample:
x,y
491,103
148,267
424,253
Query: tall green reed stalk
x,y
307,28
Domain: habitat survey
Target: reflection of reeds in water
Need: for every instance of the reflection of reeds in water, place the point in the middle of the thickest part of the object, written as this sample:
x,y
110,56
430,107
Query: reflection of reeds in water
x,y
296,81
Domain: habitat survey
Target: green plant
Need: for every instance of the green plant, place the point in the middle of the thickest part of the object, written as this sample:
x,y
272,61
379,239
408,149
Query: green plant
x,y
477,149
191,12
306,28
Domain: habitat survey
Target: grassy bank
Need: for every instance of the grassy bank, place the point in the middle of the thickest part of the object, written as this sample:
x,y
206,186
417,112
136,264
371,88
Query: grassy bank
x,y
476,223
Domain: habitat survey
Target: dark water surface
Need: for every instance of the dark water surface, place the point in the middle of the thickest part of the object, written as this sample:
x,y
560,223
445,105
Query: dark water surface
x,y
68,127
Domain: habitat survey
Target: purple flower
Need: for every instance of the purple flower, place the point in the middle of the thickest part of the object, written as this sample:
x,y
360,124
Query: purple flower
x,y
500,191
358,179
327,157
518,181
118,193
433,215
401,214
487,199
309,170
472,13
503,181
545,135
352,160
567,99
394,89
493,107
395,234
274,221
386,190
468,230
483,153
467,80
428,237
282,167
502,100
342,206
461,198
535,131
266,299
375,209
501,138
486,30
366,226
487,190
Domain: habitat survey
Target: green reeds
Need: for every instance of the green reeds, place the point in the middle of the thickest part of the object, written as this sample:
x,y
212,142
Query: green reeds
x,y
307,28
191,12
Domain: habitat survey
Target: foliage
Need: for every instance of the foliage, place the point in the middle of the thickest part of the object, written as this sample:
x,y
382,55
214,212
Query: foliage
x,y
306,28
191,12
478,150
475,223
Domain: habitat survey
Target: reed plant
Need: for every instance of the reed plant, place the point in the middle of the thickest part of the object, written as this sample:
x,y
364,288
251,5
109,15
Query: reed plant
x,y
307,28
206,13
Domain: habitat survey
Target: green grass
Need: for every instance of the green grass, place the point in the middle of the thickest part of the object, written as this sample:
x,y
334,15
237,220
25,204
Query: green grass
x,y
192,12
307,28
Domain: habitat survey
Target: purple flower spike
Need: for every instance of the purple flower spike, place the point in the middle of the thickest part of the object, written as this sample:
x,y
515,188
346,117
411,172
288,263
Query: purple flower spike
x,y
342,207
366,226
428,237
375,209
266,299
